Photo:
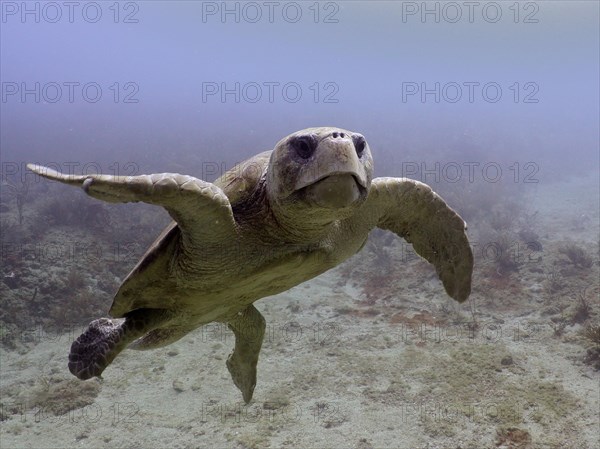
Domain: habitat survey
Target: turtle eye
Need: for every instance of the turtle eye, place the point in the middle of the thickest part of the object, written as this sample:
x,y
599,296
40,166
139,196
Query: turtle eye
x,y
359,144
304,146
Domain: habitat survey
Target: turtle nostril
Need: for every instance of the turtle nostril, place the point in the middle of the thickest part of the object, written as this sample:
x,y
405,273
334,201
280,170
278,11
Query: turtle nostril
x,y
335,135
359,144
342,135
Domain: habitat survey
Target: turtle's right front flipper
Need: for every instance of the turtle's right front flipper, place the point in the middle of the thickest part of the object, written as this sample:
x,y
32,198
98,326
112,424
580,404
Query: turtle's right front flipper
x,y
163,189
196,205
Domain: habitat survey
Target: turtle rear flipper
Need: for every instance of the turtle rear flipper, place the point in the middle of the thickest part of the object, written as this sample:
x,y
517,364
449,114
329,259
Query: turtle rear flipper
x,y
248,327
105,338
96,348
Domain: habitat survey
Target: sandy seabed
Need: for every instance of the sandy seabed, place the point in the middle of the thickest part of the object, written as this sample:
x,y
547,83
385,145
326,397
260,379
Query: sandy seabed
x,y
361,357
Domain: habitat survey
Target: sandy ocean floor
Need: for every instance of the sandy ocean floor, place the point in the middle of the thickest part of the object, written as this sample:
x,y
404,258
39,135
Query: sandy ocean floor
x,y
370,355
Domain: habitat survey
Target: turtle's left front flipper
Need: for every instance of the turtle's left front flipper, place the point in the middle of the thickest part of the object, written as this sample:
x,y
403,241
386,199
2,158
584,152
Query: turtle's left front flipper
x,y
413,211
200,208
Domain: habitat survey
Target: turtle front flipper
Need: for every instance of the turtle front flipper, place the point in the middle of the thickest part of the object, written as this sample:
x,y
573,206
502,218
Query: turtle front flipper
x,y
201,209
105,338
248,327
416,213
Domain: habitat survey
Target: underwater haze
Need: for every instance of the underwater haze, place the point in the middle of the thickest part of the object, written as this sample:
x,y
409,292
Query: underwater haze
x,y
495,105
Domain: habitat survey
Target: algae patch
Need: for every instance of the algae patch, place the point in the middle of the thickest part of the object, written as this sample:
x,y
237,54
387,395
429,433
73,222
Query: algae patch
x,y
474,384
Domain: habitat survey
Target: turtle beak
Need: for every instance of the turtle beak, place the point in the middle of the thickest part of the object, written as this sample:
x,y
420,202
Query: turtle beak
x,y
335,191
335,176
334,158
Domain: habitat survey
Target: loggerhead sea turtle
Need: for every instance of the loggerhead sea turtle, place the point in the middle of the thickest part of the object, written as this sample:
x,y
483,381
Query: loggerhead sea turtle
x,y
276,220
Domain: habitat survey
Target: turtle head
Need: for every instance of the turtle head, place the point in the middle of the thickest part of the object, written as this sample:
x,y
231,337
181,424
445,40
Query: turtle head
x,y
320,172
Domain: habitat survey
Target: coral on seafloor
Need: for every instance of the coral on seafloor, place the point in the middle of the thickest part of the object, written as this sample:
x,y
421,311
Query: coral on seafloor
x,y
576,255
19,191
